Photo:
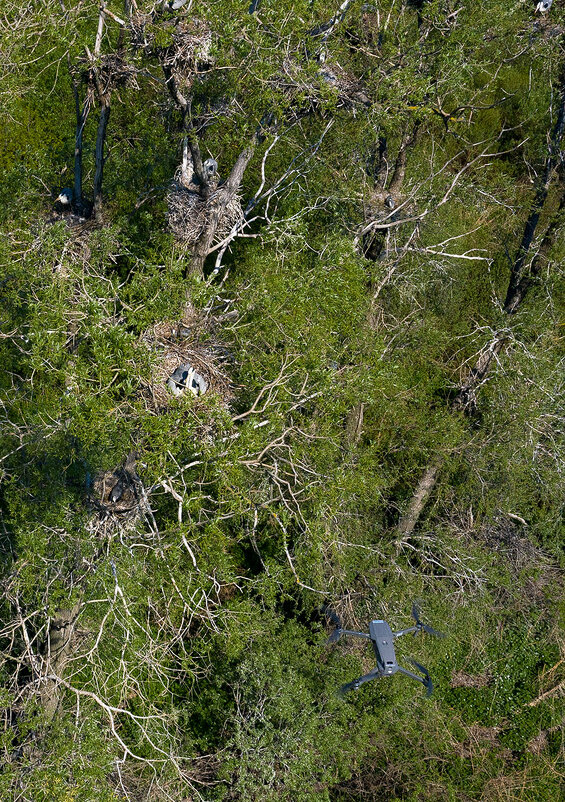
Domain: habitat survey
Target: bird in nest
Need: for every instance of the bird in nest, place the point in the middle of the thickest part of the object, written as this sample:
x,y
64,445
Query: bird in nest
x,y
66,205
186,378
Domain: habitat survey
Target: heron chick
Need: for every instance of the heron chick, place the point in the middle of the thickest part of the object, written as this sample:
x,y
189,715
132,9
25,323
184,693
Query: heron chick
x,y
186,378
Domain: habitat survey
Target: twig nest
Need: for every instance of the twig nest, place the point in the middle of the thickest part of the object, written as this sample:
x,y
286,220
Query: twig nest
x,y
349,89
182,45
113,71
189,213
186,379
182,366
117,499
307,88
115,492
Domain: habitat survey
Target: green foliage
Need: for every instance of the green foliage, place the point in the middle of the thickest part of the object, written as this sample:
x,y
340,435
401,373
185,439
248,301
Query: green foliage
x,y
197,665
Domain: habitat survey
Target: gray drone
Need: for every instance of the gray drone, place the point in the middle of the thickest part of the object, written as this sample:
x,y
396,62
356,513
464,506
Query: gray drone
x,y
382,637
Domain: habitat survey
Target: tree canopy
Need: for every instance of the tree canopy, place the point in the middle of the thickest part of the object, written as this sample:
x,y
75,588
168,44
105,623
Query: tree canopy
x,y
282,331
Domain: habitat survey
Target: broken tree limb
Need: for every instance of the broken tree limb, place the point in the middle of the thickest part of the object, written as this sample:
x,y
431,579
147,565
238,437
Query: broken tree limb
x,y
57,652
81,113
419,498
203,246
397,180
100,158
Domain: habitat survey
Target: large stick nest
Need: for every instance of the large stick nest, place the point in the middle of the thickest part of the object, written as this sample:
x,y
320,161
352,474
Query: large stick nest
x,y
308,91
189,213
178,44
177,344
117,500
113,71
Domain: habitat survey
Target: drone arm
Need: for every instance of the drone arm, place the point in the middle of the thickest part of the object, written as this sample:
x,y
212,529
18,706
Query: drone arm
x,y
405,631
367,677
425,680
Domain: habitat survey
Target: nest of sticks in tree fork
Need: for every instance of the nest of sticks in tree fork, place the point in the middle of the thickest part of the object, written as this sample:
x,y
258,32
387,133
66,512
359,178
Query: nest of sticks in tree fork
x,y
308,92
189,213
113,71
117,500
183,366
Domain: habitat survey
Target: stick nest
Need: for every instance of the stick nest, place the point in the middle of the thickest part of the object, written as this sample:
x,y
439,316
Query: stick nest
x,y
176,344
308,91
189,213
112,69
179,45
117,501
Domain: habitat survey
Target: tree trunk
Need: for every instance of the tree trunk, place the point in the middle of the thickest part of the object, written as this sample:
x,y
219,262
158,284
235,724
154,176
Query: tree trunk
x,y
81,115
58,650
354,425
516,288
397,179
100,140
418,501
374,242
202,247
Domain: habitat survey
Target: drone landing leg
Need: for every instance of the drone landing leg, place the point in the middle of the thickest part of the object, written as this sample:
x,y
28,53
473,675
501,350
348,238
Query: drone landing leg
x,y
426,681
350,686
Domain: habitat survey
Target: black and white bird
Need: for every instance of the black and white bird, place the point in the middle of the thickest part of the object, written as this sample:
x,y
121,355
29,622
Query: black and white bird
x,y
174,5
63,204
543,6
184,378
68,206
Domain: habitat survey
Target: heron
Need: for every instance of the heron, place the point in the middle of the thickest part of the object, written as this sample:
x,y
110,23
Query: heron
x,y
64,203
210,167
184,378
117,491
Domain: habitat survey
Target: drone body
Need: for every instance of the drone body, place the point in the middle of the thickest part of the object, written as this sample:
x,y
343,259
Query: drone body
x,y
382,639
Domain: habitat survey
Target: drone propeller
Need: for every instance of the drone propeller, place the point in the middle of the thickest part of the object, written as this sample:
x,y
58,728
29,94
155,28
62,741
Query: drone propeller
x,y
427,681
349,686
420,625
334,618
335,636
332,615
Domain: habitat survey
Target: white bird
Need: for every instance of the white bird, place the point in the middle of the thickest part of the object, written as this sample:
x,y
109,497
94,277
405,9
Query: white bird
x,y
543,6
174,5
66,204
